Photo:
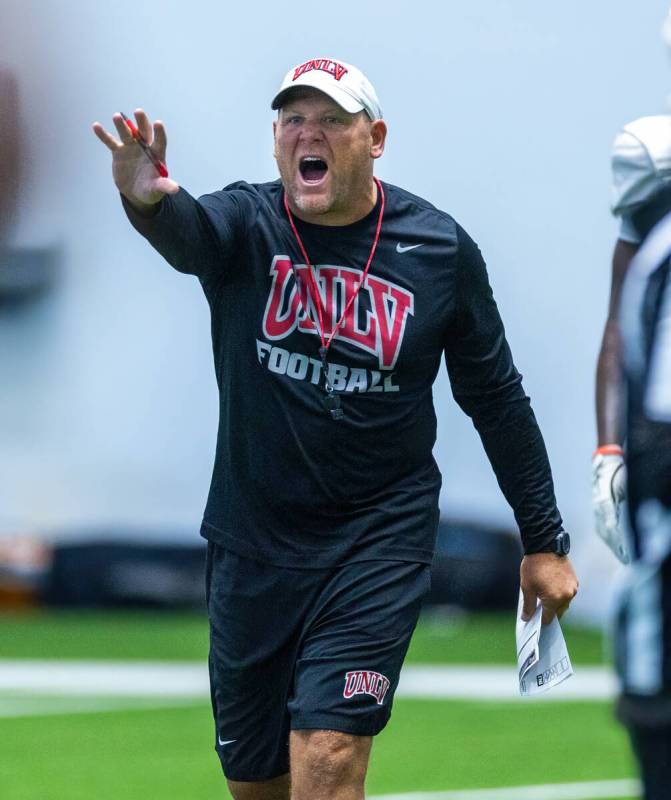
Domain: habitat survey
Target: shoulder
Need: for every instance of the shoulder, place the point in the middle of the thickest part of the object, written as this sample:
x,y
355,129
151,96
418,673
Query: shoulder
x,y
248,197
640,162
241,203
418,210
424,219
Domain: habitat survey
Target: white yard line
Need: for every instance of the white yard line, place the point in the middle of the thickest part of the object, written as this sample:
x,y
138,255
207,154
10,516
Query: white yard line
x,y
190,680
46,706
499,683
106,678
591,790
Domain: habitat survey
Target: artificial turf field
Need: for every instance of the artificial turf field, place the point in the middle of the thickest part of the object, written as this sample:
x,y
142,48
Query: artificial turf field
x,y
166,753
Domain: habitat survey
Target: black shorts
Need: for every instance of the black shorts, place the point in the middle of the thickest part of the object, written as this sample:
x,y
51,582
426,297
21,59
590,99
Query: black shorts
x,y
294,649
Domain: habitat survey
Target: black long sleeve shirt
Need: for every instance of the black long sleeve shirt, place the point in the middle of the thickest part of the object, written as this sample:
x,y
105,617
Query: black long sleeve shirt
x,y
291,485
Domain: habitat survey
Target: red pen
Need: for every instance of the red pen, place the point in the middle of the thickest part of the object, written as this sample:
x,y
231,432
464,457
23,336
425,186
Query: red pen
x,y
139,138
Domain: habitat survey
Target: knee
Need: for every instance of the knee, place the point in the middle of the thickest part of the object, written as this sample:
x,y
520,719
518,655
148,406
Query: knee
x,y
327,759
328,755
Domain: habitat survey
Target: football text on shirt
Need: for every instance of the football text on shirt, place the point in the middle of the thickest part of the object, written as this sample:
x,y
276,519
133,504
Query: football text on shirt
x,y
378,330
303,368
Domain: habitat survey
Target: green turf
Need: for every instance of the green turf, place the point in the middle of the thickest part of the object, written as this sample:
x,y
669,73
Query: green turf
x,y
474,744
439,638
442,638
103,635
168,754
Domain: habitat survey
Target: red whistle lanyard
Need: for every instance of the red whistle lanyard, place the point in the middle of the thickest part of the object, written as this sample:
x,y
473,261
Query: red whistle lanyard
x,y
314,289
331,400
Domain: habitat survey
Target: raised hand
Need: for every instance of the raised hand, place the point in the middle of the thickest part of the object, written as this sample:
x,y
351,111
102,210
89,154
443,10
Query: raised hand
x,y
134,174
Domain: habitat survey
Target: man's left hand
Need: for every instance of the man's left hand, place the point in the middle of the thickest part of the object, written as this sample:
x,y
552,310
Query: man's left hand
x,y
551,579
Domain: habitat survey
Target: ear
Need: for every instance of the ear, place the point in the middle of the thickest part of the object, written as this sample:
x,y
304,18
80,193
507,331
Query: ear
x,y
378,137
275,138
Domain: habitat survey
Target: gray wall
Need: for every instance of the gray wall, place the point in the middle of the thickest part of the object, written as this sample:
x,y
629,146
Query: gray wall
x,y
500,112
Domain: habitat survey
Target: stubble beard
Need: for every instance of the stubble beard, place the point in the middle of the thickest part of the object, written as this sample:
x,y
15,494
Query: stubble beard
x,y
340,195
309,204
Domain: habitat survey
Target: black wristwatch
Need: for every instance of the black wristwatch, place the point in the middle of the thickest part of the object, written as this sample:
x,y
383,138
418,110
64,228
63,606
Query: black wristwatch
x,y
560,545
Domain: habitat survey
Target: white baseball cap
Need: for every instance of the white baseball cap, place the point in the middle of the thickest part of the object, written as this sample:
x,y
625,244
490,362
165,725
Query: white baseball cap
x,y
641,162
342,82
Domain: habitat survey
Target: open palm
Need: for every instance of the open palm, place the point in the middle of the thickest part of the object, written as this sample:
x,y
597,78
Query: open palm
x,y
134,174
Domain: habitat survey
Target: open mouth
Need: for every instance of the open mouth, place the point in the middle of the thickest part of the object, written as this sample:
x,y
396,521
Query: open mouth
x,y
313,169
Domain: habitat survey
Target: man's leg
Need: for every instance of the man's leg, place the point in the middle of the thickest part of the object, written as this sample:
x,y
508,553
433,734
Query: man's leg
x,y
328,765
653,751
276,789
347,671
255,624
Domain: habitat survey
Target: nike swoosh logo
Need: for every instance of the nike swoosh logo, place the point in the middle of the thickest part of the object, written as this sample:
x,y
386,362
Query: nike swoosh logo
x,y
228,741
401,249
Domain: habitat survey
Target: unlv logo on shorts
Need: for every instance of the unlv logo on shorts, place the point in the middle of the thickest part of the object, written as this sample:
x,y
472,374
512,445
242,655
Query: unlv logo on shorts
x,y
379,330
365,681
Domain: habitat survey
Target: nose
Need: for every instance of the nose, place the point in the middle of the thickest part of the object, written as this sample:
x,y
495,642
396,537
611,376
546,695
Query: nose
x,y
311,131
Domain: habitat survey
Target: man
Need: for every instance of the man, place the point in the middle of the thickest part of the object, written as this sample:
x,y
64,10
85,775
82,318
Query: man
x,y
333,298
644,619
641,196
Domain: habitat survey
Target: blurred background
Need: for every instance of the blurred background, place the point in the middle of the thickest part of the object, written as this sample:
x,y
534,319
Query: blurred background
x,y
501,112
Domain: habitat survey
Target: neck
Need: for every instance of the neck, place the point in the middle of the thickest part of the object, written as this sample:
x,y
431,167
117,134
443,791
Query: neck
x,y
355,211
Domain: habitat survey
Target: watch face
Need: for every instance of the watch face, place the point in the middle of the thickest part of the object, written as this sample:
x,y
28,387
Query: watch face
x,y
563,541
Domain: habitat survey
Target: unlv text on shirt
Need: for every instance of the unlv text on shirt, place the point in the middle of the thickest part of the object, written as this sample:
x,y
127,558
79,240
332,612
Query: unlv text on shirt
x,y
375,321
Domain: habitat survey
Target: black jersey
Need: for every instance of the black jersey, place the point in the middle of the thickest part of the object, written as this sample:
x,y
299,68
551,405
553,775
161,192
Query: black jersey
x,y
291,485
646,328
644,617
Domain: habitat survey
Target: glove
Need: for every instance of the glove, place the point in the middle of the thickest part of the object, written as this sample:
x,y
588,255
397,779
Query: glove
x,y
609,485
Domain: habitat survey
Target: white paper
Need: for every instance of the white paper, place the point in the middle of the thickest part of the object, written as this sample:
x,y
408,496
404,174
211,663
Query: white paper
x,y
542,656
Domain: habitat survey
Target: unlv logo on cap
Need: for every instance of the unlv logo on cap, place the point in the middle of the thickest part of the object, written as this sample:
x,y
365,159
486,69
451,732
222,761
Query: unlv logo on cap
x,y
378,330
365,681
323,64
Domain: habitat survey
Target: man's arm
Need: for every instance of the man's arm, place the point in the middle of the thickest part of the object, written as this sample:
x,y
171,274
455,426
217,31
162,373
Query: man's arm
x,y
194,236
610,400
608,471
488,388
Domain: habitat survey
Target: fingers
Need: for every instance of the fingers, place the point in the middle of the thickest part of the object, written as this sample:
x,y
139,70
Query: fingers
x,y
122,129
154,135
528,605
144,126
167,186
160,138
549,613
559,604
563,609
106,138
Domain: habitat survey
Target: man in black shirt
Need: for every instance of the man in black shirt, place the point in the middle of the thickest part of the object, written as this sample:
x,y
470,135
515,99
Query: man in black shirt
x,y
333,298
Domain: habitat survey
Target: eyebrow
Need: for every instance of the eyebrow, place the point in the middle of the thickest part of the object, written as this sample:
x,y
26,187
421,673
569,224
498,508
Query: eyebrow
x,y
289,109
